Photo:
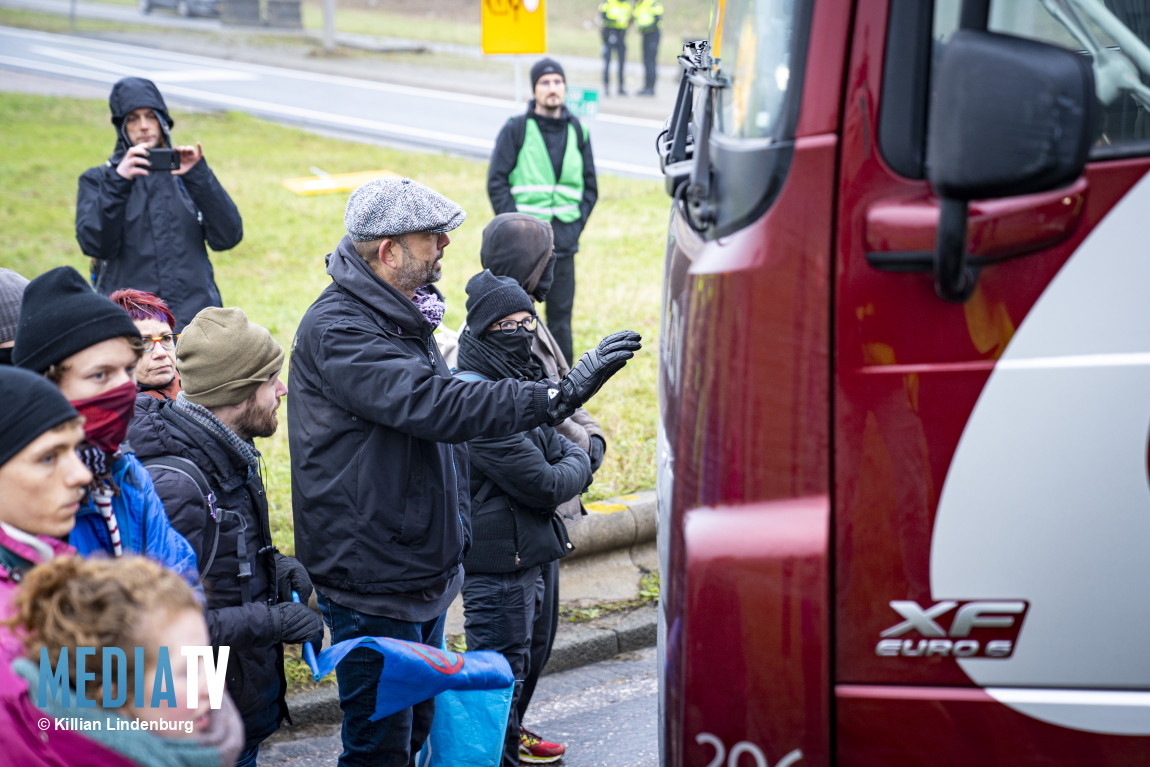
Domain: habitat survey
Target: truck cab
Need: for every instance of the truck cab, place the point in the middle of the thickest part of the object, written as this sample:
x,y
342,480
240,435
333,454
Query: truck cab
x,y
904,387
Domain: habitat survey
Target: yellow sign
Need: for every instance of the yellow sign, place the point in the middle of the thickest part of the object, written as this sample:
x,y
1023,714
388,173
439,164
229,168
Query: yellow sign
x,y
514,26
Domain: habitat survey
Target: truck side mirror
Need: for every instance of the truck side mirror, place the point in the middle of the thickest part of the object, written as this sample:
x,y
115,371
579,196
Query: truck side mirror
x,y
1009,117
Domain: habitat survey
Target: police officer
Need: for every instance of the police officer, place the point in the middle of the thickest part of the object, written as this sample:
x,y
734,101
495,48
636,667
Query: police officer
x,y
649,20
616,17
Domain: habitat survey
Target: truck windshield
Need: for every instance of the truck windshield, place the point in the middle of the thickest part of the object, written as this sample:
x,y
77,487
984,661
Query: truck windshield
x,y
1114,34
757,51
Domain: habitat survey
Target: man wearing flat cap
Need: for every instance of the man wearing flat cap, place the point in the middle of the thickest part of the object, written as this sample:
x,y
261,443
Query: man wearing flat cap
x,y
205,439
380,486
542,165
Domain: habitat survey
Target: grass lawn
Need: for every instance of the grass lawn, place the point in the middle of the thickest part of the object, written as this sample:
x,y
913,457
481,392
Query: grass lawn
x,y
278,269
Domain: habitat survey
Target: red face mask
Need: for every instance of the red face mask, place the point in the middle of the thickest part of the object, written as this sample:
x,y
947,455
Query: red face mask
x,y
107,415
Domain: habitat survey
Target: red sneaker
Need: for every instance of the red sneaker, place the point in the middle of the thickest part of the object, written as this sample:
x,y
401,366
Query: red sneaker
x,y
534,750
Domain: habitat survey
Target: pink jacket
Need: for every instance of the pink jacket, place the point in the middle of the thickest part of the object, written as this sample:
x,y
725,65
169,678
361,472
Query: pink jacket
x,y
9,645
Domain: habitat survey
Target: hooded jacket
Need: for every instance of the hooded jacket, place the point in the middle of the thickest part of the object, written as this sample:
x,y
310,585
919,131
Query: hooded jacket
x,y
505,156
380,492
255,677
526,266
148,232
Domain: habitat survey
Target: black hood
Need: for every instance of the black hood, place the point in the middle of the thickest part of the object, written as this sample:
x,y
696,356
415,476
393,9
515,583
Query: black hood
x,y
134,93
519,246
351,273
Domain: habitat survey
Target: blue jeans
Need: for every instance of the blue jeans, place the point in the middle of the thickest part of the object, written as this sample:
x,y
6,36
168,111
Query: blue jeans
x,y
394,740
247,757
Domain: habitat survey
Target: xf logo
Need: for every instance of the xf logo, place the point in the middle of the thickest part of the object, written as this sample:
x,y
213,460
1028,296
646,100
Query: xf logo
x,y
997,624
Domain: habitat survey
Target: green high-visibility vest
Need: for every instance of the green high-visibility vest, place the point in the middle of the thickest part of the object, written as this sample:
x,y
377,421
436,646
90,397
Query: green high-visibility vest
x,y
533,183
616,12
648,13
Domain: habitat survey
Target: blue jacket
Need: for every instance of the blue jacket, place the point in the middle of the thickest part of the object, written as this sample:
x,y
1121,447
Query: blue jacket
x,y
144,527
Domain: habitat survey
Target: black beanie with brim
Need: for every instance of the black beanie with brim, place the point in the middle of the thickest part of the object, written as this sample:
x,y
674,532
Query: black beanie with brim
x,y
32,406
61,315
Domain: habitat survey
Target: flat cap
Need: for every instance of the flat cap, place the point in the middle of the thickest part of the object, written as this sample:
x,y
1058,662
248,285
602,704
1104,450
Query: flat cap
x,y
388,207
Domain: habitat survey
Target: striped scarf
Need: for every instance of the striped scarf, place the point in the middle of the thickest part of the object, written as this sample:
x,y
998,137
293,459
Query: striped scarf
x,y
103,489
221,431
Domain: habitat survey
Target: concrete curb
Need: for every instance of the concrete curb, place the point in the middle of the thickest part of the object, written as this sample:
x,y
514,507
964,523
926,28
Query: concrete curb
x,y
614,546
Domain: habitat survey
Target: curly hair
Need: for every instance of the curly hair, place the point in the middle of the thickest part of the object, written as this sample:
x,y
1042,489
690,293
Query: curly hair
x,y
141,305
72,602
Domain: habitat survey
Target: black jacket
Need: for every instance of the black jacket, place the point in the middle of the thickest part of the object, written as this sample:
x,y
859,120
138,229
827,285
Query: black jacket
x,y
148,232
506,154
255,678
516,484
379,477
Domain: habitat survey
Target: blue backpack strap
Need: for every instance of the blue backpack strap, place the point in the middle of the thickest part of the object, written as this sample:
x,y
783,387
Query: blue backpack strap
x,y
470,375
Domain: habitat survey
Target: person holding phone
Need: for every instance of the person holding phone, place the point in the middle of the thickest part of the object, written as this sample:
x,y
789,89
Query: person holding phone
x,y
145,215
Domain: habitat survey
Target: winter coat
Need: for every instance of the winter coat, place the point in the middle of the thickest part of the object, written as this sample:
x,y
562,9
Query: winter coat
x,y
148,232
107,743
255,678
144,527
14,554
380,491
505,155
27,745
516,484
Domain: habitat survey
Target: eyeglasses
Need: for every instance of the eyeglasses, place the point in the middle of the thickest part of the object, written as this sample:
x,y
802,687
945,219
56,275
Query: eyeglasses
x,y
510,326
168,342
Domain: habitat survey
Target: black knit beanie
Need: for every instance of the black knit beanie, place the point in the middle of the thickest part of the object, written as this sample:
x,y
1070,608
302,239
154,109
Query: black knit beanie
x,y
491,298
60,316
545,67
32,406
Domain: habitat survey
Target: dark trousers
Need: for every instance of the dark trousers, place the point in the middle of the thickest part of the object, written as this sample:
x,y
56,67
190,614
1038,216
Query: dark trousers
x,y
542,635
650,49
394,740
499,612
560,302
613,40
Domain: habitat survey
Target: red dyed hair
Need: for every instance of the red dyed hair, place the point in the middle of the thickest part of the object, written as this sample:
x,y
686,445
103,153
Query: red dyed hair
x,y
141,305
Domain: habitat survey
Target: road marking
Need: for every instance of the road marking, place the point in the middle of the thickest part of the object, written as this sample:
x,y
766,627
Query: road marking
x,y
258,69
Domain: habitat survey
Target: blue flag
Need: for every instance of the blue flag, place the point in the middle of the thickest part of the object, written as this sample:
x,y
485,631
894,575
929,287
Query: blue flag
x,y
414,672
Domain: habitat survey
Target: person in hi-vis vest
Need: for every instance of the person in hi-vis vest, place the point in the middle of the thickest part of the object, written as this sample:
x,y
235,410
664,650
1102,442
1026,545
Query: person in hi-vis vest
x,y
649,21
542,165
615,17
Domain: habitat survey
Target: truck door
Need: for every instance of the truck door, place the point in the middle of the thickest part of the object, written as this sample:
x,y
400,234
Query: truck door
x,y
991,504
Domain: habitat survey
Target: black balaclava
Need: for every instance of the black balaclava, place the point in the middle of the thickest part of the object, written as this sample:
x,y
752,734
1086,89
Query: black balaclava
x,y
496,354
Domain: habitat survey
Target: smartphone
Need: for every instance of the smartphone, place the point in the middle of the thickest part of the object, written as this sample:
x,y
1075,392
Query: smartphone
x,y
164,160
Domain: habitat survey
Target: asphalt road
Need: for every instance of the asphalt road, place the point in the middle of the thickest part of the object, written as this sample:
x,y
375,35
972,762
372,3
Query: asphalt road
x,y
605,714
403,114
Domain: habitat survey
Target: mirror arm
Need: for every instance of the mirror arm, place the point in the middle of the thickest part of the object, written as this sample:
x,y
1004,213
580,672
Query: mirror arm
x,y
681,119
954,280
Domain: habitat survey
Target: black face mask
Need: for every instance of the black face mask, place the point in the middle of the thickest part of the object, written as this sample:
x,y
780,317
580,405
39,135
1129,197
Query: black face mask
x,y
543,287
516,345
6,355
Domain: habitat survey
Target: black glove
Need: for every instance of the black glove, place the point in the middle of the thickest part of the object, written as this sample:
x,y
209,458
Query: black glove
x,y
598,447
591,372
291,576
296,623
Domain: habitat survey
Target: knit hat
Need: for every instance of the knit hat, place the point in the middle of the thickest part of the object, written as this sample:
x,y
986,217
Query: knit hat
x,y
60,316
32,406
11,292
545,67
223,357
491,298
388,207
517,245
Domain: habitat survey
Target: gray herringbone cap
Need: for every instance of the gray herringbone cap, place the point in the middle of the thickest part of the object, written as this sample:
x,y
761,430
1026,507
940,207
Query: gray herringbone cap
x,y
388,207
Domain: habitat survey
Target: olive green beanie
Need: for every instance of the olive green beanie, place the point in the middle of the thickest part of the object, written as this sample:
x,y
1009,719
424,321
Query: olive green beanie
x,y
223,357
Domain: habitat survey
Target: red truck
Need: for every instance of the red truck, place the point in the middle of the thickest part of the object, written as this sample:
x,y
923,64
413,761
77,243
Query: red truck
x,y
904,388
